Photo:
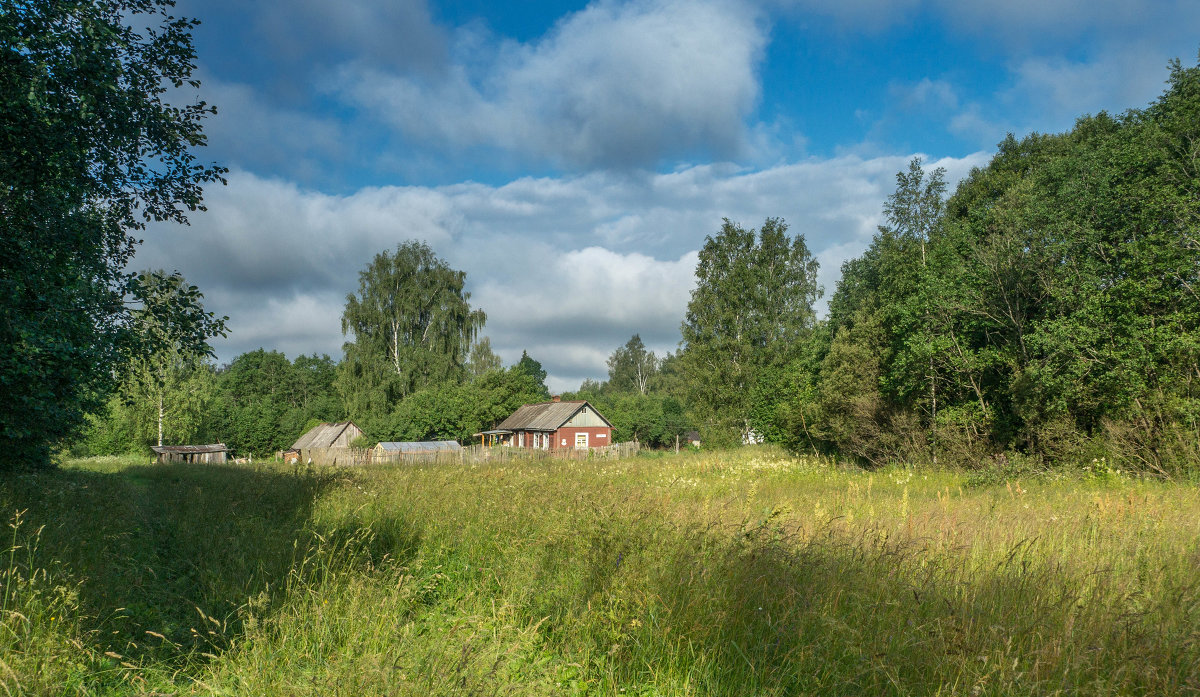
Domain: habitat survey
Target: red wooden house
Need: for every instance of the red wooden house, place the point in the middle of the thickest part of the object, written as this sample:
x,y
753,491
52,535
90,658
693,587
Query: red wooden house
x,y
556,425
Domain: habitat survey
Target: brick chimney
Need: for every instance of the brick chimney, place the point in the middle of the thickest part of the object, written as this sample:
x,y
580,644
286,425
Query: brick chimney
x,y
556,398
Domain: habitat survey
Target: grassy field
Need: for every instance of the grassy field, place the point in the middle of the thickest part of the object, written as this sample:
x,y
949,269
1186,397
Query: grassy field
x,y
740,573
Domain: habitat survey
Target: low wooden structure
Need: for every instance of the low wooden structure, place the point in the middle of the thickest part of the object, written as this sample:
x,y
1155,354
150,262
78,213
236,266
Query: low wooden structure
x,y
398,451
213,453
329,444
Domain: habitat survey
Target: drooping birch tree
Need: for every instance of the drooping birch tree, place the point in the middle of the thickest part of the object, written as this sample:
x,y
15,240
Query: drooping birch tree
x,y
410,326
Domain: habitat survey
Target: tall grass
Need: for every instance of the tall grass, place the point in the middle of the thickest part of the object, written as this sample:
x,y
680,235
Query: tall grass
x,y
738,573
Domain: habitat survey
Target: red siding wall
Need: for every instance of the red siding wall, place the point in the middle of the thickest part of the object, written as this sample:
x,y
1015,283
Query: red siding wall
x,y
598,437
594,436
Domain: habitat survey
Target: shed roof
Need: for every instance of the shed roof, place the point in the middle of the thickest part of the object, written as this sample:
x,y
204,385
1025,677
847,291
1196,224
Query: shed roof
x,y
422,446
322,436
189,449
546,416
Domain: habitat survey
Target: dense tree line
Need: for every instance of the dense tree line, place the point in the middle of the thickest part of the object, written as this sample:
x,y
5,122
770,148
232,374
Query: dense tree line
x,y
1048,308
413,370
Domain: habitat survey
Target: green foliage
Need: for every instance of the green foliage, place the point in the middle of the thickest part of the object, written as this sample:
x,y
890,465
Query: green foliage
x,y
631,368
456,412
411,329
751,310
652,419
482,359
166,375
89,151
267,402
1050,310
535,371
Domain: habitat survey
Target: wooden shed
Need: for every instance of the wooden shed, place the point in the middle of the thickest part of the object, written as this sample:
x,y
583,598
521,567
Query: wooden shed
x,y
214,453
329,443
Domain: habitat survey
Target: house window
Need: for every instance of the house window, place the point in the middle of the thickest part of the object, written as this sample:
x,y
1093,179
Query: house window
x,y
581,441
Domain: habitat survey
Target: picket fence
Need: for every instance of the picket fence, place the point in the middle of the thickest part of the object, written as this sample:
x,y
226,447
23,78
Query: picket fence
x,y
473,454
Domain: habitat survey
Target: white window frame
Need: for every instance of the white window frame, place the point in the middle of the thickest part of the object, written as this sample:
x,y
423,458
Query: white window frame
x,y
584,436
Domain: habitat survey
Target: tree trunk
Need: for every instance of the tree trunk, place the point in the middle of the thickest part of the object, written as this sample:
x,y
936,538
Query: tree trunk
x,y
160,418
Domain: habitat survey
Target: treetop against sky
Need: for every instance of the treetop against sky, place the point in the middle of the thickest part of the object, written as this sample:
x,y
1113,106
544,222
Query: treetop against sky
x,y
596,145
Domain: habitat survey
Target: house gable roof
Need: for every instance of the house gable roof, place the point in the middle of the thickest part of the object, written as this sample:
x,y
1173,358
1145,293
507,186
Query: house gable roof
x,y
547,416
322,435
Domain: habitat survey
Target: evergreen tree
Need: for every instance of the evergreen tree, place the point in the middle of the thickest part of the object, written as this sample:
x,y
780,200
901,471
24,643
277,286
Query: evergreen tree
x,y
534,370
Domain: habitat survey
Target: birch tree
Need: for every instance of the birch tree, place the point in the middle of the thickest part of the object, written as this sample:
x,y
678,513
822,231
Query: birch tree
x,y
410,326
631,367
171,333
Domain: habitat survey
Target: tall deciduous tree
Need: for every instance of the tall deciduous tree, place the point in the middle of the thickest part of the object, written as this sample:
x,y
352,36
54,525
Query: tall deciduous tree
x,y
752,306
482,359
411,326
89,152
171,333
631,367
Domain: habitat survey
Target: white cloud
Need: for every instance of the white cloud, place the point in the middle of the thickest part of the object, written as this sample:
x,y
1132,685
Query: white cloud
x,y
614,85
1060,89
566,268
925,94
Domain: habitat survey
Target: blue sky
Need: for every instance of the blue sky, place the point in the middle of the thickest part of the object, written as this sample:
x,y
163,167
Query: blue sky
x,y
571,157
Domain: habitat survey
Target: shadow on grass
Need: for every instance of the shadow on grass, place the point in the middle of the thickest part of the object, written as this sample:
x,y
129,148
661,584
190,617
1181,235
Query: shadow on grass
x,y
168,558
758,609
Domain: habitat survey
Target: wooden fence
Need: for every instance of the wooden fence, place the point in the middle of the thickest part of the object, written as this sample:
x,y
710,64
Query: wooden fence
x,y
335,456
470,454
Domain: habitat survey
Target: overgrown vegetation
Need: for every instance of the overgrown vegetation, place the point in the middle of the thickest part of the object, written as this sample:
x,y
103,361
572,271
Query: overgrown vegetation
x,y
715,574
1047,309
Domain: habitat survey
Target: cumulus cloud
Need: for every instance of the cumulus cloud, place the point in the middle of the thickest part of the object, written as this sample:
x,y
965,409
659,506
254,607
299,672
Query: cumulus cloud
x,y
613,85
566,268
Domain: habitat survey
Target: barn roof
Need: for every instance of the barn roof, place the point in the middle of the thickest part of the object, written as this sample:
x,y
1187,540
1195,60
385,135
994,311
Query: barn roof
x,y
189,449
424,446
546,416
322,436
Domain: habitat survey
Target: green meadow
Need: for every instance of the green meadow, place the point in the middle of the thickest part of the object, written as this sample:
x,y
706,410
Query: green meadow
x,y
747,572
